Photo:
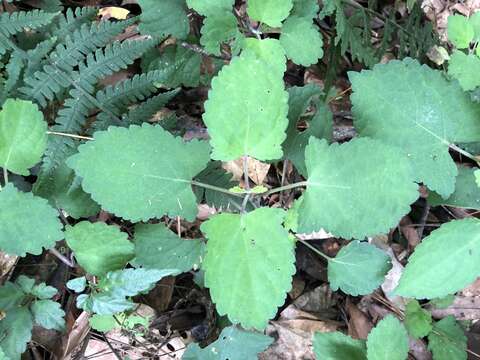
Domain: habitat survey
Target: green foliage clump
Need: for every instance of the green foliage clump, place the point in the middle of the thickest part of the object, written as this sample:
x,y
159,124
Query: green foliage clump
x,y
91,144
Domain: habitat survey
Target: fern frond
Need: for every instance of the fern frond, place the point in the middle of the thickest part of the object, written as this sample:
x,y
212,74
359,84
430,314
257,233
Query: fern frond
x,y
72,116
138,115
85,40
131,90
58,149
72,20
36,56
14,67
46,84
147,109
114,57
4,44
11,24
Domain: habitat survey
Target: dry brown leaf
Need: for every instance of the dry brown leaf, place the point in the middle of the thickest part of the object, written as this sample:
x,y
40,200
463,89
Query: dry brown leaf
x,y
7,262
463,308
113,12
294,338
74,337
257,171
359,325
409,232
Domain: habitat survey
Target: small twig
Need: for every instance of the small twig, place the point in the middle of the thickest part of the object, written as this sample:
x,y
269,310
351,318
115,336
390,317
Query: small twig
x,y
423,220
339,95
61,257
115,352
5,175
197,49
464,153
283,188
282,182
179,227
74,136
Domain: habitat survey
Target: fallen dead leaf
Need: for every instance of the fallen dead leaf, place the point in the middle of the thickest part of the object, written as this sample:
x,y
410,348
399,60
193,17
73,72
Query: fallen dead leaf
x,y
74,338
359,325
113,12
7,262
298,322
257,171
463,308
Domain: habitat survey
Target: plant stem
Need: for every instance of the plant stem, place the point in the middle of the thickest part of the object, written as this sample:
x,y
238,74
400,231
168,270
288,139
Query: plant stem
x,y
247,183
74,136
464,153
61,257
215,188
283,188
314,249
5,175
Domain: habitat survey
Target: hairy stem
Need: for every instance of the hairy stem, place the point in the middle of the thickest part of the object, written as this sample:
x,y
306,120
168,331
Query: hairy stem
x,y
214,188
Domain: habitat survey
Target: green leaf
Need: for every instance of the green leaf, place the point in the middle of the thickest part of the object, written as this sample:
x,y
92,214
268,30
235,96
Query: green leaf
x,y
477,177
417,320
232,344
460,31
99,248
42,291
474,20
103,323
270,51
10,296
181,67
443,302
425,114
104,303
388,340
217,29
270,12
302,41
162,18
337,346
156,247
3,356
465,68
210,7
25,283
371,191
62,189
445,261
29,220
358,269
259,249
466,194
78,284
48,314
23,137
131,282
123,185
447,341
246,112
16,332
117,285
305,8
319,126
